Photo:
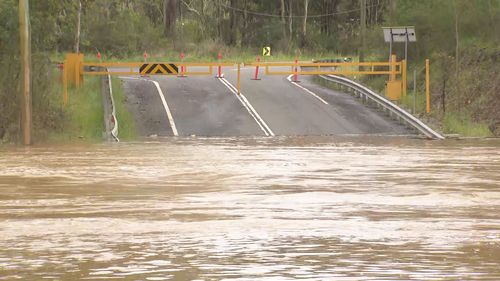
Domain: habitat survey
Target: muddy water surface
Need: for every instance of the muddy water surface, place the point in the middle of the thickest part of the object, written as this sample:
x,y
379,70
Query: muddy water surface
x,y
252,209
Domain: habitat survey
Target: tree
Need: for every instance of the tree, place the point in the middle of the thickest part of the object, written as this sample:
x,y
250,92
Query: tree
x,y
78,27
169,17
362,48
304,24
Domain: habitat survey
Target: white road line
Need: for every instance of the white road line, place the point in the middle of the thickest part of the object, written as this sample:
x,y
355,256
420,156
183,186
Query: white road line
x,y
307,90
165,105
167,109
229,86
244,99
251,110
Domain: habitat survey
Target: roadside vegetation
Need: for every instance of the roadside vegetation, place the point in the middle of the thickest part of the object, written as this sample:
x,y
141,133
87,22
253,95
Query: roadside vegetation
x,y
81,120
460,37
126,123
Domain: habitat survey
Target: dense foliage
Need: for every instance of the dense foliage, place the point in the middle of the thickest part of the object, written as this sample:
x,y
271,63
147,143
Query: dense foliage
x,y
460,36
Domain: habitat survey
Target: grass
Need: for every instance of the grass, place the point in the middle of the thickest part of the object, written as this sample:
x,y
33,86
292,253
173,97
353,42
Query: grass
x,y
410,99
83,115
126,125
451,123
462,124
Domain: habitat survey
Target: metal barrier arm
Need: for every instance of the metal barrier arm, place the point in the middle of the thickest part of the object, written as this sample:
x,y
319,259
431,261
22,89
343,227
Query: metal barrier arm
x,y
353,68
132,65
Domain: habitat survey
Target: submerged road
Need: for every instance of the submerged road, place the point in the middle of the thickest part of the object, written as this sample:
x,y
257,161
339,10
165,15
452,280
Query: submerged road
x,y
274,105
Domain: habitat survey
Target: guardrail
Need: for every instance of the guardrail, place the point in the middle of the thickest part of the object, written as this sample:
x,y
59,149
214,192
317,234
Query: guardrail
x,y
113,119
367,94
110,119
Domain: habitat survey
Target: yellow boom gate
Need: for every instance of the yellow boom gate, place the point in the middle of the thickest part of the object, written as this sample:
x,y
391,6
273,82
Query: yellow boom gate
x,y
75,68
395,86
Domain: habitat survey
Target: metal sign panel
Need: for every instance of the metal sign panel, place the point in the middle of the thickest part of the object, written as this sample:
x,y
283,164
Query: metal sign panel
x,y
266,51
399,34
159,68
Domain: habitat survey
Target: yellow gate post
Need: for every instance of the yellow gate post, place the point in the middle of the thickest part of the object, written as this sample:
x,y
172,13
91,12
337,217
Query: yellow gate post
x,y
72,73
403,76
392,77
393,86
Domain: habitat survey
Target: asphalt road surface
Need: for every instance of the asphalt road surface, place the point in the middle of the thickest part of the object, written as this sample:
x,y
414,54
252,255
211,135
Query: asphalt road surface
x,y
272,106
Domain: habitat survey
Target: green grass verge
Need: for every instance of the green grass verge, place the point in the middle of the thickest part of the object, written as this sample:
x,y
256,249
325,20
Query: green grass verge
x,y
412,100
126,124
462,124
83,119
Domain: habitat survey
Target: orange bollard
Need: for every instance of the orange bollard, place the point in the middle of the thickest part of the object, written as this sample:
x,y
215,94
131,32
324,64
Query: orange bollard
x,y
295,72
183,69
219,68
256,77
145,55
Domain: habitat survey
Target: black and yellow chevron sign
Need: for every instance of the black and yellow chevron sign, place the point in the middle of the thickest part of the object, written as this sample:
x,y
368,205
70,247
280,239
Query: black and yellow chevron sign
x,y
159,68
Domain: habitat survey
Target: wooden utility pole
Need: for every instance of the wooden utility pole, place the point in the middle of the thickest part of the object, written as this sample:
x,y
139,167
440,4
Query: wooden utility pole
x,y
363,30
24,34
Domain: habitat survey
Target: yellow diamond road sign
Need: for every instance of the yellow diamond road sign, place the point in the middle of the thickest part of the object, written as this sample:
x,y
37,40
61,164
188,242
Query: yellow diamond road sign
x,y
266,51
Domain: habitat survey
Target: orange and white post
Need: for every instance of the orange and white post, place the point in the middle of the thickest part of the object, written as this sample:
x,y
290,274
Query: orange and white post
x,y
219,68
183,68
256,77
296,71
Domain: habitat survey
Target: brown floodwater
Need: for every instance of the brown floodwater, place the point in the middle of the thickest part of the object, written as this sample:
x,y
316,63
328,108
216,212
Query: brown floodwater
x,y
328,208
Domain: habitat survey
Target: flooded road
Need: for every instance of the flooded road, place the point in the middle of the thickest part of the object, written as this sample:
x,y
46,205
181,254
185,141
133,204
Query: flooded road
x,y
252,209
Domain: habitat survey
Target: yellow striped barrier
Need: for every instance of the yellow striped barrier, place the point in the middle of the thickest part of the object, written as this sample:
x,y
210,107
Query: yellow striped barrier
x,y
75,69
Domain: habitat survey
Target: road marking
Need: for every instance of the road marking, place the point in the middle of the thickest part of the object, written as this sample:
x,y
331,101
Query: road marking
x,y
251,110
165,105
307,90
167,109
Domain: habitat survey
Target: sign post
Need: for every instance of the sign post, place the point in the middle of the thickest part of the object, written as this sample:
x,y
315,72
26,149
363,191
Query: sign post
x,y
398,35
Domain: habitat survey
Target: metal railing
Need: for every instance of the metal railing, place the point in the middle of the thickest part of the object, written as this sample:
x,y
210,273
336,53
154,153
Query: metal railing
x,y
387,105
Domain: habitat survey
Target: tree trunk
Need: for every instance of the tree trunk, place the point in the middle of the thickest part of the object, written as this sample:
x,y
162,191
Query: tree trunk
x,y
78,26
283,21
245,31
169,17
457,54
304,24
219,21
363,30
290,21
392,13
232,24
